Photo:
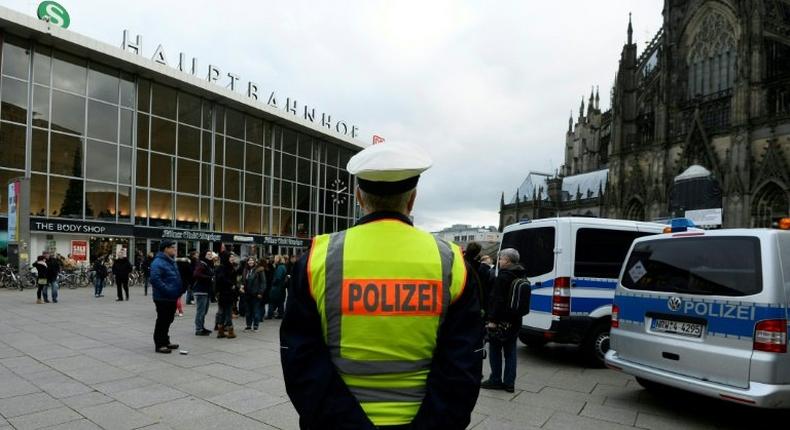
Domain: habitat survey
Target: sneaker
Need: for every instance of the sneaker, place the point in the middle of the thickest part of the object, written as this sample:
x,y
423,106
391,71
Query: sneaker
x,y
163,350
39,302
490,385
510,388
248,328
206,332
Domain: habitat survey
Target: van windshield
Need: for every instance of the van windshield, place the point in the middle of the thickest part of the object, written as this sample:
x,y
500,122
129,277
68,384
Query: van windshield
x,y
721,266
535,247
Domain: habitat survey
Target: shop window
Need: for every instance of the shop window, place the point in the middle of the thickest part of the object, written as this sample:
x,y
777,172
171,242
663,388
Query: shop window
x,y
141,207
65,156
142,169
252,219
188,142
12,146
102,161
234,153
39,151
254,127
100,201
235,124
252,188
160,209
187,211
14,100
125,129
125,165
40,106
124,204
42,65
102,121
163,101
143,95
103,83
163,136
68,113
69,73
38,195
189,109
233,185
65,197
254,158
127,90
142,130
15,60
161,171
188,176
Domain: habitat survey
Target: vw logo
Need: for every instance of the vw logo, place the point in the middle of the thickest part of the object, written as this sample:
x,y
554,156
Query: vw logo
x,y
674,303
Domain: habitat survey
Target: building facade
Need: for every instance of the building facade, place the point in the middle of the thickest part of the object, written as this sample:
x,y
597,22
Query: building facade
x,y
711,89
122,152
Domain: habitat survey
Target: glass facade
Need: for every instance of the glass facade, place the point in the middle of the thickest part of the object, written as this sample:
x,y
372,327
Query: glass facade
x,y
105,145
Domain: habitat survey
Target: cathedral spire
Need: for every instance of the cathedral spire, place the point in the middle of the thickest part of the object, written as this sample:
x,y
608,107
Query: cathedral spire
x,y
581,111
591,103
597,98
570,123
630,30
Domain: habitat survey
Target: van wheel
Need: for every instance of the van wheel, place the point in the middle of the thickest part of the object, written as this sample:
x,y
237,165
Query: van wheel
x,y
596,345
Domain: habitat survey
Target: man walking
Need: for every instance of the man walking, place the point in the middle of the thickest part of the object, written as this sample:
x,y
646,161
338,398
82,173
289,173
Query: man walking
x,y
503,324
166,288
409,354
121,269
53,271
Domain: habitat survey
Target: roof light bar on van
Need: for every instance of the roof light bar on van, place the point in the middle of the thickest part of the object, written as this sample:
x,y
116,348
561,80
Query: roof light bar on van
x,y
783,224
561,300
677,225
771,336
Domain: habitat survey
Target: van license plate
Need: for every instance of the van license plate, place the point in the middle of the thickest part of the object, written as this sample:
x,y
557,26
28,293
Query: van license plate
x,y
677,327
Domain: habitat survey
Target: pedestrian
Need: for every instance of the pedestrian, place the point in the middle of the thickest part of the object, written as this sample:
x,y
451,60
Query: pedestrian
x,y
472,257
277,292
121,270
53,272
225,284
254,287
99,276
193,257
503,324
147,272
41,279
203,279
383,328
166,287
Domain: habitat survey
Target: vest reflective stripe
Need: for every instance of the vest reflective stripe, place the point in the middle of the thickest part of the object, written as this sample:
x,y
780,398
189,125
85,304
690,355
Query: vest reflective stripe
x,y
399,287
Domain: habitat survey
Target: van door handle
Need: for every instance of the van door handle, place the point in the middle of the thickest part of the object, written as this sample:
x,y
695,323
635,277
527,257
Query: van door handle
x,y
670,356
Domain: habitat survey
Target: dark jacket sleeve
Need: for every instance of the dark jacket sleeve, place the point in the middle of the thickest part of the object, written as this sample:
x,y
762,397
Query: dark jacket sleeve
x,y
454,379
315,388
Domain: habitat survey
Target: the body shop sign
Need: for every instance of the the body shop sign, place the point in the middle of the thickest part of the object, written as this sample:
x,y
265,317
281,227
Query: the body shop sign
x,y
79,250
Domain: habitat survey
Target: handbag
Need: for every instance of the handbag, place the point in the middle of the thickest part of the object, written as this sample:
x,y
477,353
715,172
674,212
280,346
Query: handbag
x,y
42,281
501,332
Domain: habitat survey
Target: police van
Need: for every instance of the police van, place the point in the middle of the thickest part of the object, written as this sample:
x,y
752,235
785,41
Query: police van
x,y
707,312
573,264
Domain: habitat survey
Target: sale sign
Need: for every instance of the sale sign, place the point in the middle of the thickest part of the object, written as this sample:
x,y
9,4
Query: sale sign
x,y
79,250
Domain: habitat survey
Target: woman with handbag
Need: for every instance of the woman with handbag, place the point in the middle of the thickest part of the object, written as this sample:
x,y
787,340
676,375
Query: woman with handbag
x,y
41,279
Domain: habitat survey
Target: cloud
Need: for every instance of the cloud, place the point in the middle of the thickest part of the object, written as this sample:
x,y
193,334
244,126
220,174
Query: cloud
x,y
485,87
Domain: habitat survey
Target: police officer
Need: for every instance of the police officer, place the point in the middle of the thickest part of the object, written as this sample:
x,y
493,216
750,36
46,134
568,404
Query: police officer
x,y
382,327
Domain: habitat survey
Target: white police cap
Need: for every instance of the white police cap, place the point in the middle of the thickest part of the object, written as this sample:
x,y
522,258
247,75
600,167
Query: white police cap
x,y
389,168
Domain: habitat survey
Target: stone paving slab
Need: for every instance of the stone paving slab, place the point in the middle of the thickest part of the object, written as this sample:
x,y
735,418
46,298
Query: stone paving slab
x,y
88,363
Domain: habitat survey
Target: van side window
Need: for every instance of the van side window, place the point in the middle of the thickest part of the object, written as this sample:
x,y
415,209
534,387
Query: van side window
x,y
535,247
600,253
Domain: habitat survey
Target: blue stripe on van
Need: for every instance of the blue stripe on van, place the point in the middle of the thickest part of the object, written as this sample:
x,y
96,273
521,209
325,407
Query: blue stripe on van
x,y
594,283
588,304
722,317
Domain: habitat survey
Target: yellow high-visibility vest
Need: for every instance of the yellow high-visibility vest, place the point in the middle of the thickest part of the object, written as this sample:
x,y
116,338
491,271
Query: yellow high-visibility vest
x,y
383,289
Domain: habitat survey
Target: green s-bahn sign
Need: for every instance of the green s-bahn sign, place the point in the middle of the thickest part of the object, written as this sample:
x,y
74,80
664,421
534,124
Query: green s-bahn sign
x,y
54,13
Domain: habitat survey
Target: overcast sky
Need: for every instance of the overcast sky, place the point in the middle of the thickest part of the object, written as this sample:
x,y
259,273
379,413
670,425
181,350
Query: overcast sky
x,y
485,87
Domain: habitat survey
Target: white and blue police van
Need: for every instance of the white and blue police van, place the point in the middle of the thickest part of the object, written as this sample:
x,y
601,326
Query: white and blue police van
x,y
707,312
573,264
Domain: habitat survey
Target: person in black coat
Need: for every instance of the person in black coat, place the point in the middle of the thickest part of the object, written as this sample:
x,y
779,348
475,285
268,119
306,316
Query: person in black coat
x,y
121,269
203,277
225,285
503,324
99,276
147,271
53,270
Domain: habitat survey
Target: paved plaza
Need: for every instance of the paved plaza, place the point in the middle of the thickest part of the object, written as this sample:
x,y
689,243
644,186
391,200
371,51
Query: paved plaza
x,y
88,363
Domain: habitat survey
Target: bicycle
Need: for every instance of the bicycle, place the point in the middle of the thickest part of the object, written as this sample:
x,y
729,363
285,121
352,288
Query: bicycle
x,y
10,279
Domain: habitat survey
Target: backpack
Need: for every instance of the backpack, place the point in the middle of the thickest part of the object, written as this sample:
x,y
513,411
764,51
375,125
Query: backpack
x,y
518,296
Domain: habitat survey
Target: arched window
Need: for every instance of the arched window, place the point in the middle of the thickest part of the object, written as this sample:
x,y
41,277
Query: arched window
x,y
712,56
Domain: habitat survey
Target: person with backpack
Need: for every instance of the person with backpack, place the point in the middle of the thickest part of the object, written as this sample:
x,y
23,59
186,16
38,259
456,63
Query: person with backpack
x,y
504,322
